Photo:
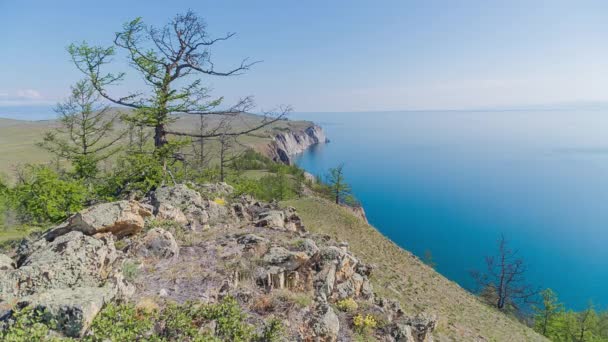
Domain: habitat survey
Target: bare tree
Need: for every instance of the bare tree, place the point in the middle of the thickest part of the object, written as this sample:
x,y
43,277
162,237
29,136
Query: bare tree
x,y
504,283
171,59
86,135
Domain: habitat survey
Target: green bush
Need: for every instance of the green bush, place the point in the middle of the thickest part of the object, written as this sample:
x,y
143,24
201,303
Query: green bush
x,y
43,196
25,325
139,172
122,323
181,322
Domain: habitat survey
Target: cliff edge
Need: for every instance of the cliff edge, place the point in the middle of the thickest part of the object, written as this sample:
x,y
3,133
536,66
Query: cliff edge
x,y
288,143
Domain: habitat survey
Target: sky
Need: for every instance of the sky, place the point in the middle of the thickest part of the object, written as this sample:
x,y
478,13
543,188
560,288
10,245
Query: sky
x,y
338,55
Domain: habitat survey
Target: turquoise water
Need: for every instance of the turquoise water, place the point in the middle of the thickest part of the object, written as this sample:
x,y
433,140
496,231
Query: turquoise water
x,y
452,182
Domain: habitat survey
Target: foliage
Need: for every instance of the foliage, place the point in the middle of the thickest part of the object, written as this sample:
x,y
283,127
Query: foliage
x,y
554,322
337,184
43,196
136,172
347,305
181,322
85,136
121,322
25,325
364,324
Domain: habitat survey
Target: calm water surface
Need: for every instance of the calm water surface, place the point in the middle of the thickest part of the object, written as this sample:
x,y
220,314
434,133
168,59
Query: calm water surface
x,y
452,182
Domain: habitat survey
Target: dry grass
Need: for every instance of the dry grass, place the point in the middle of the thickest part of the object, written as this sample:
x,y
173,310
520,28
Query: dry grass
x,y
401,275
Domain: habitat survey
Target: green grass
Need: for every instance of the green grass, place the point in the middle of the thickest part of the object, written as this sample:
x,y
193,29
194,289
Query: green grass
x,y
401,275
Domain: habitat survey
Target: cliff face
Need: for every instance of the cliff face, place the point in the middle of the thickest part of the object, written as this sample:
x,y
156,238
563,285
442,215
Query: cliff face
x,y
289,143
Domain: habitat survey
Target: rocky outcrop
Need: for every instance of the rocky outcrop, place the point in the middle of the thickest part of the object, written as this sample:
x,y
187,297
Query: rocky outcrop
x,y
289,143
251,251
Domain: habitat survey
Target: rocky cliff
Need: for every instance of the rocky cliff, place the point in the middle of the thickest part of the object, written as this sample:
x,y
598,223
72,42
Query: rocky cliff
x,y
289,143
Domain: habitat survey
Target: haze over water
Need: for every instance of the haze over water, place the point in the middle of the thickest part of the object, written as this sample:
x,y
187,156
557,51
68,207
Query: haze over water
x,y
452,182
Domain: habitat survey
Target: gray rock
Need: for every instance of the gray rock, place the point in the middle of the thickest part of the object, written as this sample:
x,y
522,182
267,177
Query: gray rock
x,y
71,260
179,196
167,212
271,219
216,189
157,243
279,256
72,309
309,247
324,324
120,218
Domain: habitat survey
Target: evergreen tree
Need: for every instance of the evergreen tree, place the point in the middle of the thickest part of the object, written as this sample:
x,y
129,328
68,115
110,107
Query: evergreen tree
x,y
339,189
86,135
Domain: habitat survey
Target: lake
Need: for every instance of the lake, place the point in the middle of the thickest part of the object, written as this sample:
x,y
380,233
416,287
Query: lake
x,y
452,182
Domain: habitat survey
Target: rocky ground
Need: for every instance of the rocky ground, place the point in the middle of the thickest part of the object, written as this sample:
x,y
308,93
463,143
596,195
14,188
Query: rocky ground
x,y
179,244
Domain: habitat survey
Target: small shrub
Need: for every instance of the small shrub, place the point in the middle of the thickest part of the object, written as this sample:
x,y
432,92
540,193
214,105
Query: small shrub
x,y
25,325
364,325
121,323
347,305
42,196
130,270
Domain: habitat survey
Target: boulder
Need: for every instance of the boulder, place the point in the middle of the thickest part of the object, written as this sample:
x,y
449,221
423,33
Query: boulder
x,y
73,310
309,247
271,219
179,196
324,325
120,218
157,243
216,189
71,260
167,212
290,261
253,244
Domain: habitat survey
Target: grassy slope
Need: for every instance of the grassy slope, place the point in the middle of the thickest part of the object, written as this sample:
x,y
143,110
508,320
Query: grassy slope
x,y
18,138
401,275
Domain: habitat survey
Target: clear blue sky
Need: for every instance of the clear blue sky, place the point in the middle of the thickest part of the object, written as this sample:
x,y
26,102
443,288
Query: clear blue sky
x,y
340,55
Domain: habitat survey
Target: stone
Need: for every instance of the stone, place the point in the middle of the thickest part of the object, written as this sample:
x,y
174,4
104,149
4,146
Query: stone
x,y
253,244
120,218
309,247
71,260
179,196
290,261
72,309
6,263
157,243
271,219
167,212
324,324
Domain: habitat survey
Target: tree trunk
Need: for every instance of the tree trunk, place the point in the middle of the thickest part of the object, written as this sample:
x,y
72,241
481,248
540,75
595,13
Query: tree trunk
x,y
160,135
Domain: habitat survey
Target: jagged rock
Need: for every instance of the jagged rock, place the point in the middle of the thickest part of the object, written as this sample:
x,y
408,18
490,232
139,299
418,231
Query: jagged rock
x,y
71,260
325,281
168,212
72,309
309,247
290,261
197,218
217,213
324,324
157,243
241,212
6,263
254,245
179,196
271,219
120,218
422,327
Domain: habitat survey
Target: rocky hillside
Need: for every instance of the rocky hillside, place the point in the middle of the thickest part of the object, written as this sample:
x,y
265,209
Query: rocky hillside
x,y
179,245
